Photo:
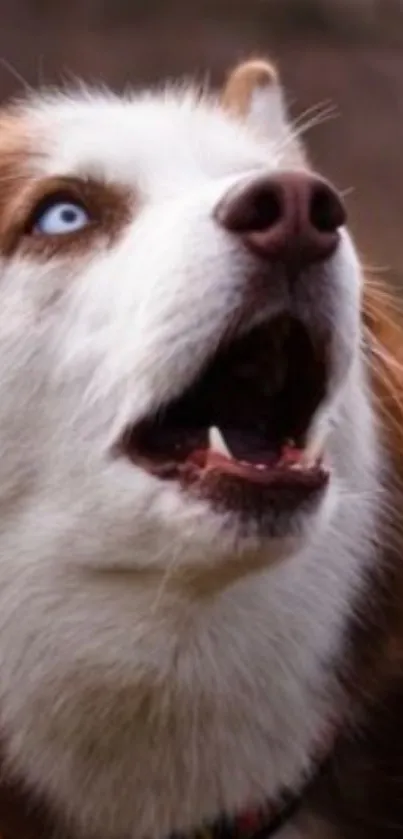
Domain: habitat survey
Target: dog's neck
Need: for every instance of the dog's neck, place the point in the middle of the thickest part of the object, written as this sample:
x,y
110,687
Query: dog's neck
x,y
232,699
25,815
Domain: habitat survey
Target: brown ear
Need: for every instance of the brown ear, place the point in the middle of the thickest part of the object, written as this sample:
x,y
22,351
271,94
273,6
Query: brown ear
x,y
244,81
253,93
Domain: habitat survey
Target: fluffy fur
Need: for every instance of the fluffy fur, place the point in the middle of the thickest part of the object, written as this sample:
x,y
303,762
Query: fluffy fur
x,y
159,665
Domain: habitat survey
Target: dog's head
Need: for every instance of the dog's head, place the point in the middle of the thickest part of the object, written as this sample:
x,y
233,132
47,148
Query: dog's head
x,y
179,331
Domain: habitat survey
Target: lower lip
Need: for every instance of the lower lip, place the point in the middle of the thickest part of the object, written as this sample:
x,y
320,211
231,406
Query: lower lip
x,y
268,502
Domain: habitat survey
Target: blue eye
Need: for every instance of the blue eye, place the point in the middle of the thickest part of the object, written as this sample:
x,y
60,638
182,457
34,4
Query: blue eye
x,y
60,218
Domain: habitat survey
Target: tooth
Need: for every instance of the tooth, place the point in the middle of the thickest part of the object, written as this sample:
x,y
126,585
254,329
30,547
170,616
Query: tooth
x,y
217,442
313,453
315,447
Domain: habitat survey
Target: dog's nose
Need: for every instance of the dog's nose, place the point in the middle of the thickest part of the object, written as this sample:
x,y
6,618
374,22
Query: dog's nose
x,y
293,217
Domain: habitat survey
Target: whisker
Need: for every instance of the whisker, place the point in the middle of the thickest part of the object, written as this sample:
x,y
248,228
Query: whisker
x,y
16,75
171,567
299,129
349,190
318,107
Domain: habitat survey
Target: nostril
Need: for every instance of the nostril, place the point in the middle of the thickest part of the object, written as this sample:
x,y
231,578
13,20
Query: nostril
x,y
265,211
326,212
254,209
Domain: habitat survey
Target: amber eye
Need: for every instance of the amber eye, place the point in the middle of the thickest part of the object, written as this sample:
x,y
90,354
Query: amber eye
x,y
58,217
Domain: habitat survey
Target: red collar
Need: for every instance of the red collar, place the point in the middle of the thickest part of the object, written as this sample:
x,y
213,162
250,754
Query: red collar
x,y
259,823
265,821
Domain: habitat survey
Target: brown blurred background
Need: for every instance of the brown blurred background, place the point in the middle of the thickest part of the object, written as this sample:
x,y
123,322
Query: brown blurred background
x,y
345,52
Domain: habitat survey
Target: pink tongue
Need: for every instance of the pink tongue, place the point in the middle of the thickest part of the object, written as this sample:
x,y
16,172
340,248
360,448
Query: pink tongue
x,y
289,455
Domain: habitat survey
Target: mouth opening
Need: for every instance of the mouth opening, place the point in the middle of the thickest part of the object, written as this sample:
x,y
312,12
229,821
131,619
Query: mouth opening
x,y
246,415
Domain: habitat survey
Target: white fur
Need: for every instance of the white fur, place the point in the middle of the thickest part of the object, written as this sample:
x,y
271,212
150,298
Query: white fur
x,y
139,702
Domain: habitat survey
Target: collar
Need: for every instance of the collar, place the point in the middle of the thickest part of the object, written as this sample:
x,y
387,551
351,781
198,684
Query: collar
x,y
259,823
267,820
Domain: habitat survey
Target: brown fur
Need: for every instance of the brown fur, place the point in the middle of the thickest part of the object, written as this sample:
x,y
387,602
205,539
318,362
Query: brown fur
x,y
23,191
361,794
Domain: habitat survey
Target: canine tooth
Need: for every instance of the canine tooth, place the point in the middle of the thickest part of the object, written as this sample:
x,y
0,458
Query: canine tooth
x,y
217,442
312,454
315,447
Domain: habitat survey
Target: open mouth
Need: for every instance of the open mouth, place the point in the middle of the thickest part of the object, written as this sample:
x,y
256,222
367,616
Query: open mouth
x,y
243,420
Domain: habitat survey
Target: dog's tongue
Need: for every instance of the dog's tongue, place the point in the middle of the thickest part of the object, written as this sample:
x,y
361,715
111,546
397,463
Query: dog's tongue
x,y
217,457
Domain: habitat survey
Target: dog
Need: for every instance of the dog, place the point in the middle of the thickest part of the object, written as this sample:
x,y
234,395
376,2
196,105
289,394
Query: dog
x,y
200,435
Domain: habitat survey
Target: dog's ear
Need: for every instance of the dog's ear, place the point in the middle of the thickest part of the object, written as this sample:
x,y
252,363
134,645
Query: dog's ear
x,y
253,92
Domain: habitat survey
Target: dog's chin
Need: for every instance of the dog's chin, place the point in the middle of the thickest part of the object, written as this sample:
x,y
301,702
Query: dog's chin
x,y
222,529
242,537
276,520
266,503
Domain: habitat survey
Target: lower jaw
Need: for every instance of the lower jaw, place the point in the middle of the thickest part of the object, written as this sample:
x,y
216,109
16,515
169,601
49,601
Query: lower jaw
x,y
256,501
